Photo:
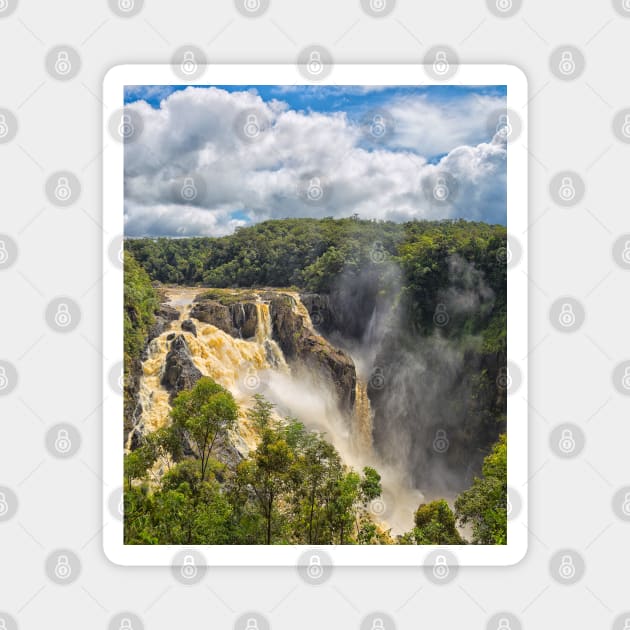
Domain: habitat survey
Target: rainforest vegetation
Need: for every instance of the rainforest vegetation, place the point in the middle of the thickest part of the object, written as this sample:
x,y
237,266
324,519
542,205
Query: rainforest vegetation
x,y
294,488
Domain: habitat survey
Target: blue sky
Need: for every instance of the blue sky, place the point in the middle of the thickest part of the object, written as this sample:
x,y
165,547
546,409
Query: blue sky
x,y
435,131
327,98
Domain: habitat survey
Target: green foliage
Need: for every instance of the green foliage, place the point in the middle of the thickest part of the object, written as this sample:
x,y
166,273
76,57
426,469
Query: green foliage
x,y
292,489
484,505
202,415
140,305
311,254
435,525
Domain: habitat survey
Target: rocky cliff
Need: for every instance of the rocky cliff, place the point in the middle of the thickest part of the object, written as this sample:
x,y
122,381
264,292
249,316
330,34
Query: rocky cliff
x,y
303,348
239,319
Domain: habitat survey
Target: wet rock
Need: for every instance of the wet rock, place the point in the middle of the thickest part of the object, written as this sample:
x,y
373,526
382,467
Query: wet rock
x,y
164,316
301,344
239,319
189,326
179,370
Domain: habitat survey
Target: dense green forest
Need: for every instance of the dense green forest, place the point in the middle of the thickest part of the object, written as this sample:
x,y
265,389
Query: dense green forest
x,y
294,488
311,254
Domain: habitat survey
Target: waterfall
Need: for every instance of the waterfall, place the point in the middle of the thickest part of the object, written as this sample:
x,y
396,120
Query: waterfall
x,y
257,365
264,337
362,420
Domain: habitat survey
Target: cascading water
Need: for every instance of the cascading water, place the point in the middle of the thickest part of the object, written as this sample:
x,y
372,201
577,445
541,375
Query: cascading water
x,y
258,364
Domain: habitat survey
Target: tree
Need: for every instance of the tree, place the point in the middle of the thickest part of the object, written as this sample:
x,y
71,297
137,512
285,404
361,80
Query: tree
x,y
484,505
137,463
435,525
203,414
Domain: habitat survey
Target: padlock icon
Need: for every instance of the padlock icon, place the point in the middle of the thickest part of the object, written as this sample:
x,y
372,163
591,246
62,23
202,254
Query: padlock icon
x,y
567,189
63,318
125,624
189,65
252,5
625,255
626,625
315,570
252,624
121,381
3,623
625,506
63,443
4,254
508,253
3,7
4,379
377,379
440,63
440,442
189,190
121,253
126,128
625,129
625,381
126,5
315,65
440,568
567,568
440,317
504,5
504,624
251,380
252,128
4,506
378,253
440,190
567,316
626,7
63,66
63,192
378,5
508,506
567,63
504,378
378,624
4,128
189,570
567,442
378,127
63,570
121,505
504,127
315,191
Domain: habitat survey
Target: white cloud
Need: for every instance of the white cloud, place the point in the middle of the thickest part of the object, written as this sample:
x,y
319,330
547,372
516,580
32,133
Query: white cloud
x,y
193,135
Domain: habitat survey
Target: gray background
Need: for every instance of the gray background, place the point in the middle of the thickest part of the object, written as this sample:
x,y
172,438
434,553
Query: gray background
x,y
571,372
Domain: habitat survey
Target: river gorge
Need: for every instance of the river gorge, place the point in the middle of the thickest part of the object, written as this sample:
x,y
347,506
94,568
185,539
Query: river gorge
x,y
264,341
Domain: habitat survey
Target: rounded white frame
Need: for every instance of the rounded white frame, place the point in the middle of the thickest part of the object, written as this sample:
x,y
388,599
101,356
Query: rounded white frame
x,y
113,224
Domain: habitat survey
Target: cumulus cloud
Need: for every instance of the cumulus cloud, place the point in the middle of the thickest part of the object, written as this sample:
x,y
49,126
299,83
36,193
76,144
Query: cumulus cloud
x,y
195,138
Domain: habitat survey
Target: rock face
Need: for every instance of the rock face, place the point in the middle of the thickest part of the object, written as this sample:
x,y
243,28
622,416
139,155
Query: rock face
x,y
302,347
179,370
338,313
189,326
301,344
239,319
165,315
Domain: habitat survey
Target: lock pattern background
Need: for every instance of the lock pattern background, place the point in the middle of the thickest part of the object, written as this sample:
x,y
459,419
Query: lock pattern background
x,y
560,388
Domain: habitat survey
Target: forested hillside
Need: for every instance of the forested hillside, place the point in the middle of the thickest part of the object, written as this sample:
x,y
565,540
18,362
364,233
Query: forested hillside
x,y
421,309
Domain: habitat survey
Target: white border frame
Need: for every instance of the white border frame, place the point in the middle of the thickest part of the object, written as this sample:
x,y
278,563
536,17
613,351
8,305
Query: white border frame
x,y
113,224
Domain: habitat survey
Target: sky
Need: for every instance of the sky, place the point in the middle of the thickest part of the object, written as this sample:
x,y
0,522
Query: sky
x,y
212,158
